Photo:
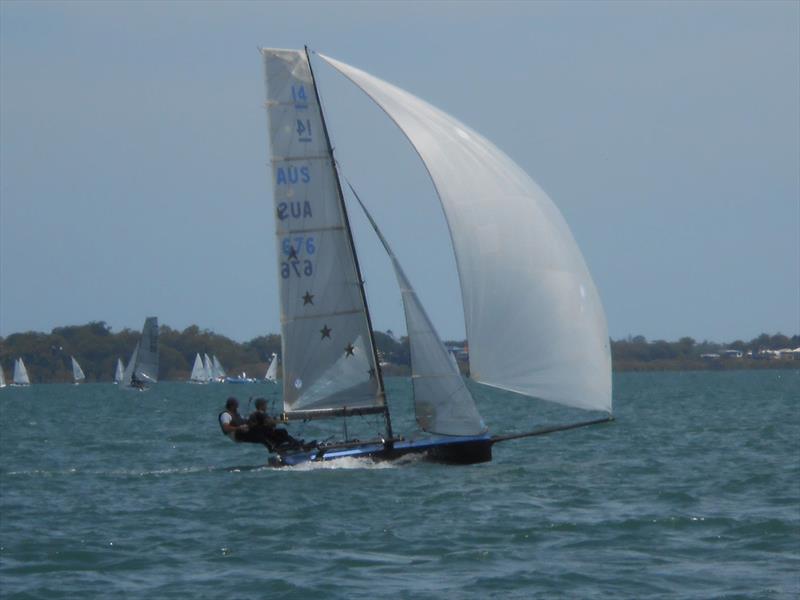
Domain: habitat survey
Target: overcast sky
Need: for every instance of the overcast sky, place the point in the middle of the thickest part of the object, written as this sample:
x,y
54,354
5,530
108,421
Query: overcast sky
x,y
133,154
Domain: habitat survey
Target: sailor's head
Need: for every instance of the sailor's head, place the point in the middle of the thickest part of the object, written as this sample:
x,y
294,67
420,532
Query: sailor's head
x,y
261,404
231,403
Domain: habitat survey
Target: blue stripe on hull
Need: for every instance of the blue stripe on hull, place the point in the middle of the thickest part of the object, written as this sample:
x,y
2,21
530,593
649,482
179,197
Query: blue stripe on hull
x,y
453,450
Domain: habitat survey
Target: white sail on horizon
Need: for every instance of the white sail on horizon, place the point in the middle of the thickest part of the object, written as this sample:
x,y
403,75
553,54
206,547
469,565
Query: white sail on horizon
x,y
143,363
272,370
199,374
119,373
534,320
208,367
77,372
217,371
21,373
2,377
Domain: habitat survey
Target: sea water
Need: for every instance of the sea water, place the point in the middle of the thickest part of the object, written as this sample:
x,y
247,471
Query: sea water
x,y
693,492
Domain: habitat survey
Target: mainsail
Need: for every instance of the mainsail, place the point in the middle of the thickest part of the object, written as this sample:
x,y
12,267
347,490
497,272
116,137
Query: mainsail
x,y
120,371
199,374
442,402
209,367
2,377
21,373
272,370
216,369
77,372
144,360
329,360
534,320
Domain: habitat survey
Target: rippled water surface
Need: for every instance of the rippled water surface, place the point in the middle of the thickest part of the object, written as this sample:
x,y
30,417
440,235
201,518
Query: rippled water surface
x,y
694,492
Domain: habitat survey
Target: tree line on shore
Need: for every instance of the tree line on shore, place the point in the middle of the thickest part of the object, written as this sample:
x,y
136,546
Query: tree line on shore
x,y
47,355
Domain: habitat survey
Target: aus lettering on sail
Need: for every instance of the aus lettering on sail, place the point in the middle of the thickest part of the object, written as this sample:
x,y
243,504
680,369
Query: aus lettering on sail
x,y
288,176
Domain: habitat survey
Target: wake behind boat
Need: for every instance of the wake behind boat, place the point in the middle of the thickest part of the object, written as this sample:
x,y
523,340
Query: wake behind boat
x,y
534,282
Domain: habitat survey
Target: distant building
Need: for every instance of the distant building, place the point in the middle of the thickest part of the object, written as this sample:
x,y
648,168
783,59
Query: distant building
x,y
709,356
732,353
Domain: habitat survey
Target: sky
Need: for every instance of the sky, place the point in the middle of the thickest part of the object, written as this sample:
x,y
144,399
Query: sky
x,y
134,152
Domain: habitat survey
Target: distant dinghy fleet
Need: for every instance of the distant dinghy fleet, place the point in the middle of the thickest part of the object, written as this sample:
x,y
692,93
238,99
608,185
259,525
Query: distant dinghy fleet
x,y
142,369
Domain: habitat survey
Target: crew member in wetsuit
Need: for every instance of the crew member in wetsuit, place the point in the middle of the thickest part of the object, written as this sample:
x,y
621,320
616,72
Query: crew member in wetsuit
x,y
136,382
261,423
231,422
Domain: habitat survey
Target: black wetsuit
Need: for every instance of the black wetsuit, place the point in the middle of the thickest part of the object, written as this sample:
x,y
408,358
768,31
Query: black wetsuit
x,y
263,427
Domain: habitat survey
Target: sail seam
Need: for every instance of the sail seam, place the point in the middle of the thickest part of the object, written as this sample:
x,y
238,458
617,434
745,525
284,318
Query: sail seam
x,y
310,230
296,158
318,315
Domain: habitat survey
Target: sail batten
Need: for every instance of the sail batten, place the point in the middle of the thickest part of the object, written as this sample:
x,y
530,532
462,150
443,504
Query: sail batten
x,y
534,320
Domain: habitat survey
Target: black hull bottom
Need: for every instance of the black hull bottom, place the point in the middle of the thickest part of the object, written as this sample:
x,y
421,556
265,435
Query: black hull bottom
x,y
454,451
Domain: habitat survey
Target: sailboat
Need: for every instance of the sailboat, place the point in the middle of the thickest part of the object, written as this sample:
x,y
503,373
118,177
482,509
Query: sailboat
x,y
142,367
208,366
199,374
2,378
534,321
272,371
217,372
77,372
119,373
21,378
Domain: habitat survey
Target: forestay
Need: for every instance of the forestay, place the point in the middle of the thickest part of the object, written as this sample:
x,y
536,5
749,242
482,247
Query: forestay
x,y
442,402
534,320
328,358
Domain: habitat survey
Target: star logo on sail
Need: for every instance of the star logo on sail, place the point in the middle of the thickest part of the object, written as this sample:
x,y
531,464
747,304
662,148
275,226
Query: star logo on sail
x,y
292,253
349,349
308,298
326,332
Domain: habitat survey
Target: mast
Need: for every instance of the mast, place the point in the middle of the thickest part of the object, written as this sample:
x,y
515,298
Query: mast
x,y
378,372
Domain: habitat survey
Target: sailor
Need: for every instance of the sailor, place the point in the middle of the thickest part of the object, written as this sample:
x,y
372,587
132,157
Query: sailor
x,y
231,422
261,423
136,382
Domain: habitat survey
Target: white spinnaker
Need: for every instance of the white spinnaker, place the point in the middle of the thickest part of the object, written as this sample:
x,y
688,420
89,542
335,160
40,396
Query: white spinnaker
x,y
328,359
147,361
272,370
21,373
77,372
442,402
120,371
198,370
534,319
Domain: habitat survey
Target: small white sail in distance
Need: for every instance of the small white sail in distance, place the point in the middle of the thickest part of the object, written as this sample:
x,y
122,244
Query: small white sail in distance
x,y
2,377
217,371
21,373
77,372
272,370
119,373
209,367
534,320
199,374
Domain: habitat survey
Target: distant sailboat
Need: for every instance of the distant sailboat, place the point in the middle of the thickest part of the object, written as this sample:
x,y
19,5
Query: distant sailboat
x,y
142,368
21,378
77,372
120,371
209,368
216,369
523,282
2,378
272,371
199,374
